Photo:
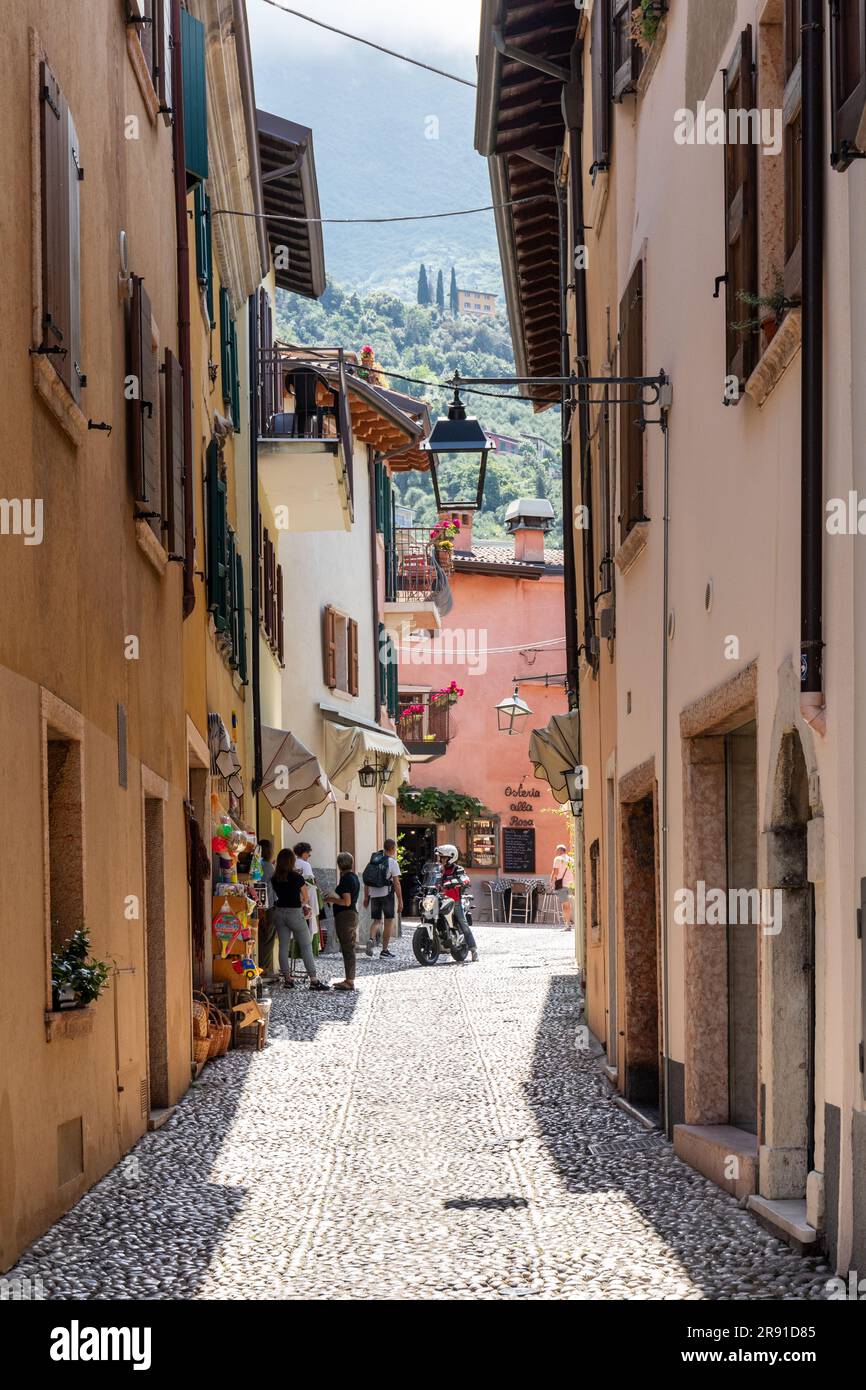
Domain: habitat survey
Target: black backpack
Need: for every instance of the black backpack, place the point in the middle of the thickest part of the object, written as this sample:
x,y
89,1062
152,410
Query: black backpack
x,y
376,874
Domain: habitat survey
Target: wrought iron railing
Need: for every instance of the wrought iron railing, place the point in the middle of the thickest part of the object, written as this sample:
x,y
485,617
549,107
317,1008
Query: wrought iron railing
x,y
413,572
290,403
424,722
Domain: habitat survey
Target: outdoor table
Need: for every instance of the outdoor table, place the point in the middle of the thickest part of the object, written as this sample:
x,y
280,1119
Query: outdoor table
x,y
536,885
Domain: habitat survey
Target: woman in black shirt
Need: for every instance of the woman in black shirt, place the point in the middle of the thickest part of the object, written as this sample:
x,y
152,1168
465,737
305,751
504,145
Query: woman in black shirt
x,y
345,901
290,918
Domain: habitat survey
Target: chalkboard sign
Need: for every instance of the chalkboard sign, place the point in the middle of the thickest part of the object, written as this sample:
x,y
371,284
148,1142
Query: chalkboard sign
x,y
518,851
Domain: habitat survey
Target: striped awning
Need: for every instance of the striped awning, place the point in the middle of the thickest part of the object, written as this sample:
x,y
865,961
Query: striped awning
x,y
293,781
555,750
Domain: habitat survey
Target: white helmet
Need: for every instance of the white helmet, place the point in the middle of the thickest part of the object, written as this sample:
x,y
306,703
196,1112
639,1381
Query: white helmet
x,y
448,853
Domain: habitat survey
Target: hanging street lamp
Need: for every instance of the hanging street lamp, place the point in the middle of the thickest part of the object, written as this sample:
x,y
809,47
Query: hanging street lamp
x,y
574,787
511,713
458,434
368,775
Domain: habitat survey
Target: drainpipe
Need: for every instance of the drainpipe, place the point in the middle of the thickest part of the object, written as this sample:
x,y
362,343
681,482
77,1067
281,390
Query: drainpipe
x,y
255,595
663,857
812,703
572,109
183,343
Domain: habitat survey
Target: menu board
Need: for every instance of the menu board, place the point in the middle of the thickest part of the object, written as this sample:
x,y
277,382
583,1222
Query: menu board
x,y
518,851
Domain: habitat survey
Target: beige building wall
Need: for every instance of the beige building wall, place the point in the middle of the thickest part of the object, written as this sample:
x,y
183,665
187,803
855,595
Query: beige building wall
x,y
72,602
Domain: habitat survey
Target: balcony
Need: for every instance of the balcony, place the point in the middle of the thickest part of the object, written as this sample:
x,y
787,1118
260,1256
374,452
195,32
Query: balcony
x,y
304,443
417,592
427,731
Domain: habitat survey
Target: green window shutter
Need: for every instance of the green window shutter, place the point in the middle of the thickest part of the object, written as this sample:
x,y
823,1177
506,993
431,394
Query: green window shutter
x,y
393,700
235,378
231,608
217,541
379,470
194,96
225,344
383,666
241,617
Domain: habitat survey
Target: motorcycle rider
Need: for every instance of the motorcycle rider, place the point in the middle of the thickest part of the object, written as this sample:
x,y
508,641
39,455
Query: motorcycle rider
x,y
453,883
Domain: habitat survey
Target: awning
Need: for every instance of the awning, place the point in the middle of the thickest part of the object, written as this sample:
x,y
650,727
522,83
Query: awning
x,y
555,750
293,781
348,748
224,760
291,203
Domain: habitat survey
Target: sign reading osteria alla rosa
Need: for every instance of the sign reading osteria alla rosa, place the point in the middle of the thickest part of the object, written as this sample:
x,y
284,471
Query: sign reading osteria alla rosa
x,y
520,798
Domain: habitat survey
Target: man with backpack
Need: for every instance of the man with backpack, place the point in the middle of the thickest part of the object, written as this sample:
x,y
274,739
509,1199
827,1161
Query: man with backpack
x,y
383,894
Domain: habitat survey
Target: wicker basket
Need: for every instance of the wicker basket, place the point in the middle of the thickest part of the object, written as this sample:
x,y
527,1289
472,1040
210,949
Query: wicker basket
x,y
220,1032
200,1010
200,1049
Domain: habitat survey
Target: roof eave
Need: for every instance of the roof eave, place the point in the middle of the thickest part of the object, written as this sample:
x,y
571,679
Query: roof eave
x,y
489,72
245,71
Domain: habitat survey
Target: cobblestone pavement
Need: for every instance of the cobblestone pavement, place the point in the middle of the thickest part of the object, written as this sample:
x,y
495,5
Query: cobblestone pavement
x,y
435,1135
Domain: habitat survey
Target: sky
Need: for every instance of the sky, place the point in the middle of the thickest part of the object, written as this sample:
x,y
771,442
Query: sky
x,y
447,28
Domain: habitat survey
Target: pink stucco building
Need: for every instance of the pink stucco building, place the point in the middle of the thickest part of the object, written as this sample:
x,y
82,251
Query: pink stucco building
x,y
506,624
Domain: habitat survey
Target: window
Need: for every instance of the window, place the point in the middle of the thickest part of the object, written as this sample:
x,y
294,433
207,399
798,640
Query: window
x,y
151,20
741,214
174,507
600,61
594,899
229,359
631,415
847,80
225,584
340,651
626,56
271,594
793,150
266,376
389,685
60,175
143,413
63,758
203,247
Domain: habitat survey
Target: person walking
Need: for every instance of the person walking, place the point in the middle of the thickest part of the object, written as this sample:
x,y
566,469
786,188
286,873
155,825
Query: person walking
x,y
562,882
290,918
267,929
383,894
345,903
303,852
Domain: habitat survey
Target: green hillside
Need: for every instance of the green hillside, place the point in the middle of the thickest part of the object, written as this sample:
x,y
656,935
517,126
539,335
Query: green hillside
x,y
414,341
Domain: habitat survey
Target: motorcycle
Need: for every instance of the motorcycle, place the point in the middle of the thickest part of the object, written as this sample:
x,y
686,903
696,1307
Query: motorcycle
x,y
439,933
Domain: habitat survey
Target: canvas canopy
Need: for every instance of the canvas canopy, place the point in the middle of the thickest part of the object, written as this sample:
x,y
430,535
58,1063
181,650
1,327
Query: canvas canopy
x,y
555,750
349,747
293,781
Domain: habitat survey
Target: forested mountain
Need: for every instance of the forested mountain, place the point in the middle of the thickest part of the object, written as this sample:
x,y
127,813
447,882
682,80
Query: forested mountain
x,y
410,340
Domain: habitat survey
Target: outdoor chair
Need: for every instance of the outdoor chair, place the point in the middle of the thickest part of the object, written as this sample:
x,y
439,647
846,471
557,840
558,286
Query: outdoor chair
x,y
496,888
521,895
550,909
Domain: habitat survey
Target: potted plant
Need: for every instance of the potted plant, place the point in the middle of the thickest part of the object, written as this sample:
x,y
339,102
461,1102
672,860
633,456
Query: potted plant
x,y
442,535
772,308
645,22
76,978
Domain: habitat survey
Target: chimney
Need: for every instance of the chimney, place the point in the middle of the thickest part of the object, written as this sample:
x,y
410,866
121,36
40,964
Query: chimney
x,y
528,520
463,539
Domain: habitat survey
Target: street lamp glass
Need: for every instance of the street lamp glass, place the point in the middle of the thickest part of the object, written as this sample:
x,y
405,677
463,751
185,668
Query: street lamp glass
x,y
368,776
511,713
450,438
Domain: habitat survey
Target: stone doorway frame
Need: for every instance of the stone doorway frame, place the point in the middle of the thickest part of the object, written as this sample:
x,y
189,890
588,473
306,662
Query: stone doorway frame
x,y
791,859
636,786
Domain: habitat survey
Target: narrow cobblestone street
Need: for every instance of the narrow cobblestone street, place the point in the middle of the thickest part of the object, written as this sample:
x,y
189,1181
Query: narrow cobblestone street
x,y
433,1136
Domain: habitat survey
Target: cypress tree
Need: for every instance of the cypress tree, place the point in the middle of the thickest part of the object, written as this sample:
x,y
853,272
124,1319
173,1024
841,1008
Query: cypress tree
x,y
453,292
423,287
440,292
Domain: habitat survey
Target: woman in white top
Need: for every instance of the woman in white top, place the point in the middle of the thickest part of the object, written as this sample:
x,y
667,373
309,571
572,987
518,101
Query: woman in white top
x,y
303,866
562,881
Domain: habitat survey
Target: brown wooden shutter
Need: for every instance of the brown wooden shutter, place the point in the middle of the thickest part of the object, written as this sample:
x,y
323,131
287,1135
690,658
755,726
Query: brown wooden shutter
x,y
330,646
272,560
353,657
793,149
144,444
162,56
268,592
847,78
261,564
600,60
73,252
281,650
175,511
54,152
741,214
631,446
